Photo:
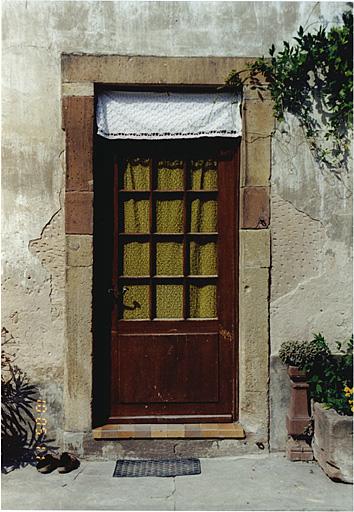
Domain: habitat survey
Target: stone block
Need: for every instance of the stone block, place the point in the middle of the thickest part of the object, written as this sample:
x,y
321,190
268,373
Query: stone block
x,y
259,118
333,443
79,250
257,155
78,89
255,207
78,357
149,70
253,94
113,449
255,248
78,117
254,349
254,413
73,442
254,293
79,213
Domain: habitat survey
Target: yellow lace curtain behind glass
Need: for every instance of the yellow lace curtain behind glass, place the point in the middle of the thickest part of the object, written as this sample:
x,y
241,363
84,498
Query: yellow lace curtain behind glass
x,y
168,238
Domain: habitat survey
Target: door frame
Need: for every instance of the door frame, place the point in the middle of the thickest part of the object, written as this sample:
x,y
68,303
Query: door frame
x,y
80,75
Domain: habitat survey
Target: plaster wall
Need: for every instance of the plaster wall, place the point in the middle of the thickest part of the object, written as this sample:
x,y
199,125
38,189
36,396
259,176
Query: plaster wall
x,y
310,209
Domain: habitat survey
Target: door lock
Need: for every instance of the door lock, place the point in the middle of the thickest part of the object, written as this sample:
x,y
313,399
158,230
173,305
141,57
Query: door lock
x,y
117,295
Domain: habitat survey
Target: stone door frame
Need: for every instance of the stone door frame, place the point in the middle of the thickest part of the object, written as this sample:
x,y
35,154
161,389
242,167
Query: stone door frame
x,y
80,74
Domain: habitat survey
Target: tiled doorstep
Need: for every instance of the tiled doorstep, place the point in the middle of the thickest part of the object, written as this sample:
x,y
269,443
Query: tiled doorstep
x,y
172,430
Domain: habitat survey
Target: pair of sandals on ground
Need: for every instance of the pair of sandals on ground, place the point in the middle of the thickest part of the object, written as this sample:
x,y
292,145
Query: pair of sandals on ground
x,y
66,463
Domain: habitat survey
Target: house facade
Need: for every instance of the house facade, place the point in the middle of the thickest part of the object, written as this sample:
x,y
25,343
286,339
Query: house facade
x,y
103,354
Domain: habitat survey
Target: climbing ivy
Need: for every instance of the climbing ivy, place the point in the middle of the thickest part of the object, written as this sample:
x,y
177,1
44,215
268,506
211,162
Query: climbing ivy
x,y
313,80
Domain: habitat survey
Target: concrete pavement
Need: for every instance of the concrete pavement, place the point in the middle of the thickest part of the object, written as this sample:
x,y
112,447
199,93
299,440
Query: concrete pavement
x,y
264,482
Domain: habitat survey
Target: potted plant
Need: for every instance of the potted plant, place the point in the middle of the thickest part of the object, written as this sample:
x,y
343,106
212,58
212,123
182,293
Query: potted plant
x,y
299,356
331,390
329,380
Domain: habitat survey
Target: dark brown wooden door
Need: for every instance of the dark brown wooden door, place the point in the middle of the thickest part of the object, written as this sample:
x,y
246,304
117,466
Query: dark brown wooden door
x,y
174,317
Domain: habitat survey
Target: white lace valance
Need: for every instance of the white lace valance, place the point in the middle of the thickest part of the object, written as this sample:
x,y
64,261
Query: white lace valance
x,y
163,115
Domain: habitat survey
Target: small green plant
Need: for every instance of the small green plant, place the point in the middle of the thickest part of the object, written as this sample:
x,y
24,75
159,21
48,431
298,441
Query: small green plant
x,y
313,80
331,379
330,376
303,354
18,425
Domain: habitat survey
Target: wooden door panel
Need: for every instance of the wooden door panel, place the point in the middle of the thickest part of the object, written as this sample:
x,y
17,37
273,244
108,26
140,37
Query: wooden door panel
x,y
168,368
174,278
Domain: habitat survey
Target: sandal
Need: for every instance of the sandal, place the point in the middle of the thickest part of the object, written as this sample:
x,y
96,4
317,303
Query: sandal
x,y
67,463
48,464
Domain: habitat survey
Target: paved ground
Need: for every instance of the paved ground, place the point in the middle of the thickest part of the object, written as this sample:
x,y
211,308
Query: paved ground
x,y
268,482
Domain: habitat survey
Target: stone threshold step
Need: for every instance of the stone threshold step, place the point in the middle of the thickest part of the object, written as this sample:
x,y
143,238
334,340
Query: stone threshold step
x,y
171,430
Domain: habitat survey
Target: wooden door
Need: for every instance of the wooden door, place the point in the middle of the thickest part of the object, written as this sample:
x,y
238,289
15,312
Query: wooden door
x,y
174,282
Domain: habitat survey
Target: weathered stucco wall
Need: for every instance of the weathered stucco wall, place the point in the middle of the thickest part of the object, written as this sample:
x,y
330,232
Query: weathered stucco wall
x,y
311,217
311,256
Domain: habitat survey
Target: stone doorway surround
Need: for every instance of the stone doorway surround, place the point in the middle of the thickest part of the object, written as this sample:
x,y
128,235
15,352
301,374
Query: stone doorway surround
x,y
80,74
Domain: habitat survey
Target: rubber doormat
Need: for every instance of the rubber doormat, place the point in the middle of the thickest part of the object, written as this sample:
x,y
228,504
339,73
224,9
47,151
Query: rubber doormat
x,y
161,468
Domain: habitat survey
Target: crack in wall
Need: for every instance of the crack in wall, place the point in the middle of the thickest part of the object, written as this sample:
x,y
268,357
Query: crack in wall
x,y
46,225
293,291
173,494
303,211
260,137
49,248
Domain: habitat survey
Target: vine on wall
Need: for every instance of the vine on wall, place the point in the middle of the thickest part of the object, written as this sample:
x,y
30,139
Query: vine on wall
x,y
313,80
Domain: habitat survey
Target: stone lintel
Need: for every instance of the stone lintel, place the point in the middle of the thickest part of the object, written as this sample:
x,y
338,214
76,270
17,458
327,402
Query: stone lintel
x,y
149,70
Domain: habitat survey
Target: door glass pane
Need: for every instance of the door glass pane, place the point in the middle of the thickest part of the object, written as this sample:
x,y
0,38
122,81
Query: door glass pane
x,y
169,216
169,259
136,259
170,175
203,215
137,174
169,301
202,301
135,302
203,258
203,175
136,216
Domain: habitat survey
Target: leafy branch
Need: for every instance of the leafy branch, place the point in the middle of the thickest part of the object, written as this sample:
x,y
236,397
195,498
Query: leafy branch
x,y
313,80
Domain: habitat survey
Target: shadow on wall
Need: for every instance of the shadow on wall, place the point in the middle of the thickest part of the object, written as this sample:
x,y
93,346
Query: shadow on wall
x,y
23,439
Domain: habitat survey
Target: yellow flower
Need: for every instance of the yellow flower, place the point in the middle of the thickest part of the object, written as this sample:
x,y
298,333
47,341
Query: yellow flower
x,y
352,408
350,401
348,391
